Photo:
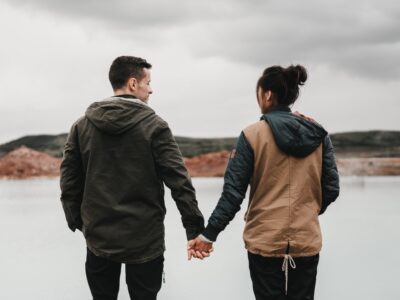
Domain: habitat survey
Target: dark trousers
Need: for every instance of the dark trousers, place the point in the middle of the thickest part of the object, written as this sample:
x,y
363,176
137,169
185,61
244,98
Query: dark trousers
x,y
143,280
269,279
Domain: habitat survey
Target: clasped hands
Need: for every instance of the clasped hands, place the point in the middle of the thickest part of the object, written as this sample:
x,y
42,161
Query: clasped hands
x,y
199,248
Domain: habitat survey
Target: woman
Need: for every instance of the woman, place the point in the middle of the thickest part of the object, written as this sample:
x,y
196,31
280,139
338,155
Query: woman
x,y
289,162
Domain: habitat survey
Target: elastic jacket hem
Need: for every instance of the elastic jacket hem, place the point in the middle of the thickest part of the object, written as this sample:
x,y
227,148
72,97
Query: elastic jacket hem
x,y
126,260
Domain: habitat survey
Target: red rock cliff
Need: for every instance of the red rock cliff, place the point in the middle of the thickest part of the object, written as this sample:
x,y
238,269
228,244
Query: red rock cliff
x,y
25,163
208,165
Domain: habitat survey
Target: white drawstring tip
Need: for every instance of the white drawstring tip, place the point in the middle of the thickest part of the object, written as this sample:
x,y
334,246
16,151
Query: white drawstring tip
x,y
287,261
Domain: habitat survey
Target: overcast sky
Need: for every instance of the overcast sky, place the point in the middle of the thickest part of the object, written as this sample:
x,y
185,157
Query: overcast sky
x,y
206,56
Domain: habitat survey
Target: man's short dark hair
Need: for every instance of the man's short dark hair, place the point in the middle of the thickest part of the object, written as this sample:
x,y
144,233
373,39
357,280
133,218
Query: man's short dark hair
x,y
125,67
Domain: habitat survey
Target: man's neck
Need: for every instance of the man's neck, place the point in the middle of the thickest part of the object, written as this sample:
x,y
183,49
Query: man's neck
x,y
123,92
125,96
130,97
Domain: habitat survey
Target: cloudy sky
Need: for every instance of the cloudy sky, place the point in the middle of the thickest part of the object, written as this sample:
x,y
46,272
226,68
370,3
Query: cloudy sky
x,y
206,56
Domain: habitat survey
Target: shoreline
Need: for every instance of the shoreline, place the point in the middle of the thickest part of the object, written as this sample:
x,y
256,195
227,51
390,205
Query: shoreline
x,y
25,163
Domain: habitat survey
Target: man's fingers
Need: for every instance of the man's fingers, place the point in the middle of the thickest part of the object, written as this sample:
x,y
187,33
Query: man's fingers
x,y
191,243
198,254
190,254
205,254
193,253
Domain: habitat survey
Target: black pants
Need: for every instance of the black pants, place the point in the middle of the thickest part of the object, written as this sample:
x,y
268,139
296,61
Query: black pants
x,y
143,280
269,279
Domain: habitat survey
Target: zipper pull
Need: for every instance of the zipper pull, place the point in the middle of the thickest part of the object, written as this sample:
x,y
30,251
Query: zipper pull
x,y
163,276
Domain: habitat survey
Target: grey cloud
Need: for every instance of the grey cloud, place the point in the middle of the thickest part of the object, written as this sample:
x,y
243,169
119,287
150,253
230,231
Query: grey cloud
x,y
360,37
357,39
138,13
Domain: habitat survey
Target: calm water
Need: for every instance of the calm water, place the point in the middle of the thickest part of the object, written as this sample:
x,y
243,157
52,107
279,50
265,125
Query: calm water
x,y
41,259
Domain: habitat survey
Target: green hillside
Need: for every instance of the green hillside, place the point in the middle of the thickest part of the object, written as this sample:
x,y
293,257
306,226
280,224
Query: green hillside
x,y
349,144
367,143
54,144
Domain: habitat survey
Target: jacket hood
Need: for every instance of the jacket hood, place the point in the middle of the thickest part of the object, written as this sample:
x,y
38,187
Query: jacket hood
x,y
116,115
294,135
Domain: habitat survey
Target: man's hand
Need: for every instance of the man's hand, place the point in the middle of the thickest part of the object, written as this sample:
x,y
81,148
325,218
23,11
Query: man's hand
x,y
199,248
304,116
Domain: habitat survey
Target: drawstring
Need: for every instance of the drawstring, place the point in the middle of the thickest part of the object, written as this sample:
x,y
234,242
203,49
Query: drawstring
x,y
288,260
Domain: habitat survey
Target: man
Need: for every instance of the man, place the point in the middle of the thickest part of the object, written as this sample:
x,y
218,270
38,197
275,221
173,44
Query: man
x,y
288,160
116,159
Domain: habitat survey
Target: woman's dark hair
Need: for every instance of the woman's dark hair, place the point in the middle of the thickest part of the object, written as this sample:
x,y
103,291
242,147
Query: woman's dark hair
x,y
125,67
283,82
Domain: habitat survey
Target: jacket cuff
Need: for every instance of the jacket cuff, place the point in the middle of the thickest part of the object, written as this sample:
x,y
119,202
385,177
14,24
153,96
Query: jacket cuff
x,y
211,232
204,239
192,233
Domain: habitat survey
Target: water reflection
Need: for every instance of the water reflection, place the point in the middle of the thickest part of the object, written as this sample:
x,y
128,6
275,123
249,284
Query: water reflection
x,y
360,234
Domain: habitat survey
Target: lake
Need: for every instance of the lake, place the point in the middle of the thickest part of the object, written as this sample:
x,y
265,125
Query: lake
x,y
40,258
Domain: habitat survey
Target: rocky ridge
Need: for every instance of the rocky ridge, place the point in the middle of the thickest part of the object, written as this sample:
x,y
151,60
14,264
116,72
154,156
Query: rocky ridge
x,y
24,163
371,153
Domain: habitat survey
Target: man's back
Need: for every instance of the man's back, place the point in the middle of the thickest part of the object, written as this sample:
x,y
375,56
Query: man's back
x,y
116,161
126,152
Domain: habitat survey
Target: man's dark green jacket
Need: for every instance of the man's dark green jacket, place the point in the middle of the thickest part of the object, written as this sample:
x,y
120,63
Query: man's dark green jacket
x,y
116,161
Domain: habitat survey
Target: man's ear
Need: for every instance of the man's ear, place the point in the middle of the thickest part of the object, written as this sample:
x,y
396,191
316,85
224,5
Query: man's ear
x,y
132,83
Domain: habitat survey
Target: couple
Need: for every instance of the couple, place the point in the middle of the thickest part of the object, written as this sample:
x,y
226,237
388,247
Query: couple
x,y
118,157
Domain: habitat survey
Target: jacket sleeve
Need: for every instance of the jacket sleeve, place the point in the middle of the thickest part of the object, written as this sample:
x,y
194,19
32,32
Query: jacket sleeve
x,y
330,175
236,180
72,180
172,170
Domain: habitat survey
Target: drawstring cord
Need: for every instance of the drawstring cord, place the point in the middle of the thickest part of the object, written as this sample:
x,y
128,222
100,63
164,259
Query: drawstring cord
x,y
287,261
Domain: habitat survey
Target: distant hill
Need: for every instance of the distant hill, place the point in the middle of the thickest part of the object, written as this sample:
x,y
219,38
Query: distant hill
x,y
51,144
54,144
376,143
349,144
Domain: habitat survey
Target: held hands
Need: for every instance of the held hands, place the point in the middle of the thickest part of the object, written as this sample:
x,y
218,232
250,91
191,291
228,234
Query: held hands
x,y
199,248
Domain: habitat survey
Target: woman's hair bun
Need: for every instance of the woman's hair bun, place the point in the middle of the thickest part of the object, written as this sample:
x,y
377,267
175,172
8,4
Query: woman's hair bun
x,y
283,82
297,74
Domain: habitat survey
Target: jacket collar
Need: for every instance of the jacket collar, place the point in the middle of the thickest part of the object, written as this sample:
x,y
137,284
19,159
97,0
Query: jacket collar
x,y
275,109
125,96
131,98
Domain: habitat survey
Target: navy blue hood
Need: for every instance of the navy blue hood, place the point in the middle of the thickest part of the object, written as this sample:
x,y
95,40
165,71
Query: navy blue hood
x,y
294,134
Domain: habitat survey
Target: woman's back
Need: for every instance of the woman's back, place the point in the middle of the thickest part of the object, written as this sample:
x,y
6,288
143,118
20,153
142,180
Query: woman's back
x,y
285,195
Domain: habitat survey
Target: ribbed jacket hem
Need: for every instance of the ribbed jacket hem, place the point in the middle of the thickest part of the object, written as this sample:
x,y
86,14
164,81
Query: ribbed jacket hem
x,y
211,232
126,258
282,254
